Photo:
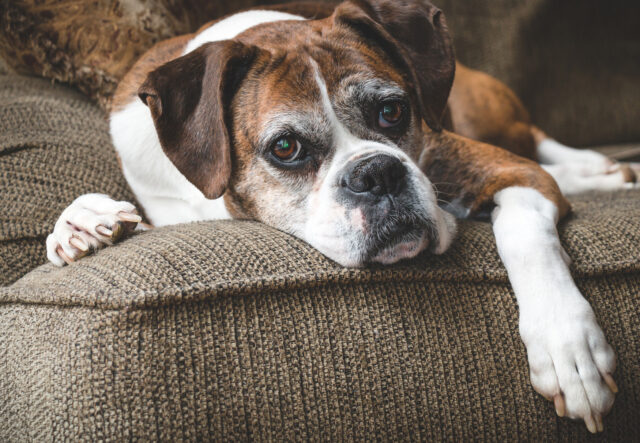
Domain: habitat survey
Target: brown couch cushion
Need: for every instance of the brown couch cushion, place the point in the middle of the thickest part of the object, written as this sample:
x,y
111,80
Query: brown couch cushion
x,y
233,330
54,147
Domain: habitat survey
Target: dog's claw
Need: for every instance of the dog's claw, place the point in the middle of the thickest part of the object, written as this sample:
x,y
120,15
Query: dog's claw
x,y
599,423
129,217
104,231
79,244
608,379
591,424
558,402
114,233
68,260
117,231
613,167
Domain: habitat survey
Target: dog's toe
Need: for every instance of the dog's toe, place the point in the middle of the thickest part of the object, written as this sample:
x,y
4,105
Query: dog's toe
x,y
89,223
571,364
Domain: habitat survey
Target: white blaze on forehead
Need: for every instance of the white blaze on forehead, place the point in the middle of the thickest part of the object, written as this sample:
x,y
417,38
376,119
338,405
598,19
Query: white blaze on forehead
x,y
346,145
341,135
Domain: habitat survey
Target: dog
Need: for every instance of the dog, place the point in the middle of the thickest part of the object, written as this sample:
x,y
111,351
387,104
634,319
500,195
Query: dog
x,y
353,128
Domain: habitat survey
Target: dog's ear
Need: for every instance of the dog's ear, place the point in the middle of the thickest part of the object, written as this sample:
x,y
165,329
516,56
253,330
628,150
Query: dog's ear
x,y
414,33
189,99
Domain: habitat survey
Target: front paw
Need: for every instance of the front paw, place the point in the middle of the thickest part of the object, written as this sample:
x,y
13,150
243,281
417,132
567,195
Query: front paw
x,y
571,362
89,223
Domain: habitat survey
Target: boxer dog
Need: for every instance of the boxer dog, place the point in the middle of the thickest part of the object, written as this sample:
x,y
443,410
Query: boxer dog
x,y
337,125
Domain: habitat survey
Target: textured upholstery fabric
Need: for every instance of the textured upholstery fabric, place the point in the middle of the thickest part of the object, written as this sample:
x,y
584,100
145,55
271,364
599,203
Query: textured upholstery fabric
x,y
233,330
54,146
236,331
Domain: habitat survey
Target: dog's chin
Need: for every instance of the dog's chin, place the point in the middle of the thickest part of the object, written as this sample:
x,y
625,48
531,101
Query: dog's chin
x,y
402,250
436,237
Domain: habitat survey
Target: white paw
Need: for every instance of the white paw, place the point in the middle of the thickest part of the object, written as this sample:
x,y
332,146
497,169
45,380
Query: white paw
x,y
570,360
578,178
590,163
90,222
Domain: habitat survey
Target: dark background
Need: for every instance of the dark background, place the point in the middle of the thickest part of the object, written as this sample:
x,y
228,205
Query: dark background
x,y
574,63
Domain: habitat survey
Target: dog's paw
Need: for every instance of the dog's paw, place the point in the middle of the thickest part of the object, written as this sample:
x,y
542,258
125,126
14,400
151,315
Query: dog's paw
x,y
570,361
589,163
90,222
603,171
579,178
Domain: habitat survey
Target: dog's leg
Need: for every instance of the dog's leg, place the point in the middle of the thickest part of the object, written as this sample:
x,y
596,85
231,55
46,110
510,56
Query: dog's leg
x,y
578,170
551,152
485,109
90,222
569,358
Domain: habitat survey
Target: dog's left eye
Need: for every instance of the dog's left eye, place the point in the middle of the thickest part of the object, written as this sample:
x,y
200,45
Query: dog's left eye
x,y
390,114
287,149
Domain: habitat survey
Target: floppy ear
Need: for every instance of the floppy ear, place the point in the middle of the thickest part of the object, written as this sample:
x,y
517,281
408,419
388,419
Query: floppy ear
x,y
189,98
414,33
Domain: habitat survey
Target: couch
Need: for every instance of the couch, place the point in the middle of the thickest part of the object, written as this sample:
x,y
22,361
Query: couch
x,y
231,330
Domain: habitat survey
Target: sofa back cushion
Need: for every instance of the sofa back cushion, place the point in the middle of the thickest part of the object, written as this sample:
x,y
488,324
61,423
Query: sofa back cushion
x,y
574,63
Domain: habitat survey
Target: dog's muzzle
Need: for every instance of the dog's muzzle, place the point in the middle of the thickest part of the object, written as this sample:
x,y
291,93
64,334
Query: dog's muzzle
x,y
380,187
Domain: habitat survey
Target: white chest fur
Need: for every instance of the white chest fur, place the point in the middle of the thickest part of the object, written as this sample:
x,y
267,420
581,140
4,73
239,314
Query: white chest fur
x,y
165,194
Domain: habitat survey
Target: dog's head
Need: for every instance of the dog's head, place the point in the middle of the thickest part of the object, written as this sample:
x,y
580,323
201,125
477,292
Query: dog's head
x,y
315,127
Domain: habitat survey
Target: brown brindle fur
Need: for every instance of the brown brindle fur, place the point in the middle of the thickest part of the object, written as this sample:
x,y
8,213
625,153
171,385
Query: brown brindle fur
x,y
463,165
485,109
472,172
167,50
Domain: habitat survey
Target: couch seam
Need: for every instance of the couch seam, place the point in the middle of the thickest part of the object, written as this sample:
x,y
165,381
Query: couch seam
x,y
257,288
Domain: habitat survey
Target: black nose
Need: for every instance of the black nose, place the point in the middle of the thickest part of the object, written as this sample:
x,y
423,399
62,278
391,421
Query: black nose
x,y
377,175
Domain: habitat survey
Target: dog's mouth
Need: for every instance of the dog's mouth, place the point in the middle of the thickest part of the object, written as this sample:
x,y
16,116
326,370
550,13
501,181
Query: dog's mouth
x,y
399,236
381,229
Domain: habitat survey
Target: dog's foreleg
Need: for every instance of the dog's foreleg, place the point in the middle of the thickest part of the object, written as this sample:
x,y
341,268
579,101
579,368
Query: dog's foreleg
x,y
90,222
569,358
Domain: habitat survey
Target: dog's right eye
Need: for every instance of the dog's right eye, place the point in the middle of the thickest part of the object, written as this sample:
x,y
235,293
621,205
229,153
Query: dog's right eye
x,y
287,149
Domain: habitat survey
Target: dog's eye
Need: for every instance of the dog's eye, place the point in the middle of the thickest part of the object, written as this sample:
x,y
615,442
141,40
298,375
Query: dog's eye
x,y
287,149
390,114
